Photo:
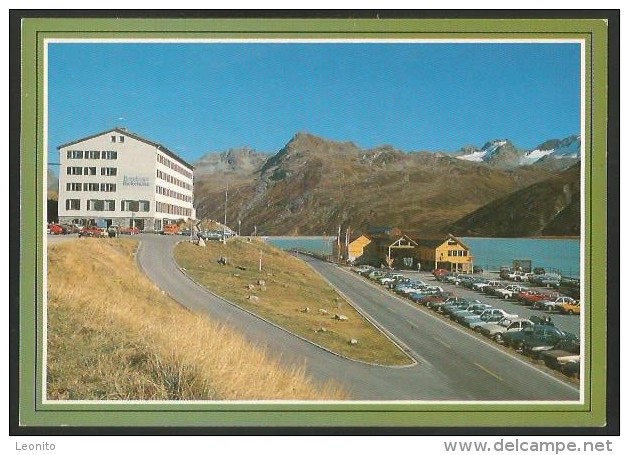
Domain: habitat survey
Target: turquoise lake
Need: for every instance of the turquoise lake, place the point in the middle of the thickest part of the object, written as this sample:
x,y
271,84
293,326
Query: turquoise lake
x,y
556,255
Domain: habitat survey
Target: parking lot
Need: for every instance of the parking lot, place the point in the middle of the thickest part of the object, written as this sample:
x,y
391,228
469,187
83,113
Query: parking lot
x,y
538,322
568,323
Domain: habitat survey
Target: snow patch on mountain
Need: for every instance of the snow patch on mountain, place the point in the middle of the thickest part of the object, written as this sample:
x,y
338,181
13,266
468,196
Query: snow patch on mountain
x,y
479,156
534,155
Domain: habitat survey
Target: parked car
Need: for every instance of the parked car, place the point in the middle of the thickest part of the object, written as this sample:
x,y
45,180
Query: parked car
x,y
362,268
505,270
547,280
546,341
477,269
450,303
480,284
496,331
129,230
552,304
565,351
531,297
535,339
449,308
440,274
493,286
56,229
509,291
484,319
433,299
570,308
524,276
93,231
407,288
473,309
466,320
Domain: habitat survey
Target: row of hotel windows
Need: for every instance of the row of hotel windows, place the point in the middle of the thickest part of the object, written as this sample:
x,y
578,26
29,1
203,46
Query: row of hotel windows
x,y
170,179
173,194
91,170
107,205
457,252
92,154
171,164
109,187
172,209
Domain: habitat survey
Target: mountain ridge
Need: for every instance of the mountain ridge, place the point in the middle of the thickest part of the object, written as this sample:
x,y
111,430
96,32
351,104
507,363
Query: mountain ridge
x,y
313,185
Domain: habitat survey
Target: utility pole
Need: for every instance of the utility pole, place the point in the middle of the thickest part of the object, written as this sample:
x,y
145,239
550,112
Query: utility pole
x,y
225,220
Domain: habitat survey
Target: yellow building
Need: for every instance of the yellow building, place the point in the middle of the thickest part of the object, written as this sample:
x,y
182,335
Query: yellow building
x,y
448,253
356,248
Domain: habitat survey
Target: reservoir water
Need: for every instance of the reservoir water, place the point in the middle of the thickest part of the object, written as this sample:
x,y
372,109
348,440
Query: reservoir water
x,y
555,255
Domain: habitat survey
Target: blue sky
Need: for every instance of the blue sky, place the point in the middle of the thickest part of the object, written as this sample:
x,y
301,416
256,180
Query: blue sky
x,y
200,97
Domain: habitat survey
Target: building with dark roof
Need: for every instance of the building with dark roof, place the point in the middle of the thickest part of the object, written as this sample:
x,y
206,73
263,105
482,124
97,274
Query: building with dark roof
x,y
120,178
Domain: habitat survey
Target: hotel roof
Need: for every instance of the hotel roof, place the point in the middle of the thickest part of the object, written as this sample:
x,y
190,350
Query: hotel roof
x,y
126,132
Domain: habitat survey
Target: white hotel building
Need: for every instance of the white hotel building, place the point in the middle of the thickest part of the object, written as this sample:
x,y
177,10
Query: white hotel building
x,y
117,177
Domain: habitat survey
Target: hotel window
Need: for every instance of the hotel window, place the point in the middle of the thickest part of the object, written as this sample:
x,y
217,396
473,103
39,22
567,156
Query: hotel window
x,y
464,252
73,204
94,205
108,171
75,171
143,206
109,205
121,139
73,187
113,138
108,187
89,170
75,154
90,187
110,155
129,206
92,154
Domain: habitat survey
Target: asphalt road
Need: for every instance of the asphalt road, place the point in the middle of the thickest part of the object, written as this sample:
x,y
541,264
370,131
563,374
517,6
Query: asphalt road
x,y
451,363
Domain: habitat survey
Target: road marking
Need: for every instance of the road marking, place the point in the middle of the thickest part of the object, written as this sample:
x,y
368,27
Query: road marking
x,y
442,342
488,371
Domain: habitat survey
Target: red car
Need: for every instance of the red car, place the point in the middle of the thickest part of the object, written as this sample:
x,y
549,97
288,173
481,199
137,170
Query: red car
x,y
92,231
130,230
56,229
439,274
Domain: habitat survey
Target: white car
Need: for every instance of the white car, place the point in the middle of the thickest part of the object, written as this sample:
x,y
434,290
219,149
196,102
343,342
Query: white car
x,y
496,331
509,291
552,305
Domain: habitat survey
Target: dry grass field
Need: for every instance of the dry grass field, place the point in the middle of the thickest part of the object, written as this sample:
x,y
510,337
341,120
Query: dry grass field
x,y
289,293
112,335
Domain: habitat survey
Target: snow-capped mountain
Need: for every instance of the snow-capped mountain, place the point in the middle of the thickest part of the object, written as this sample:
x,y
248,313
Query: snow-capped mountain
x,y
502,153
484,154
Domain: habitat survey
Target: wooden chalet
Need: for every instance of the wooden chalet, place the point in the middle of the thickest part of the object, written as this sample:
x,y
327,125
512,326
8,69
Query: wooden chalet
x,y
446,252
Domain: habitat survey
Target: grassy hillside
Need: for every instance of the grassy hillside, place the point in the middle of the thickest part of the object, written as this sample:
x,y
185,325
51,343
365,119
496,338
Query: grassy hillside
x,y
289,293
550,207
112,335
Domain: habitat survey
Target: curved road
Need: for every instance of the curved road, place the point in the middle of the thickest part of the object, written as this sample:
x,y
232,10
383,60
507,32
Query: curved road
x,y
452,364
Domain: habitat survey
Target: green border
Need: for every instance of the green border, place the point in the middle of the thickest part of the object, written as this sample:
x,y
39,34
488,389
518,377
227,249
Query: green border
x,y
32,412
